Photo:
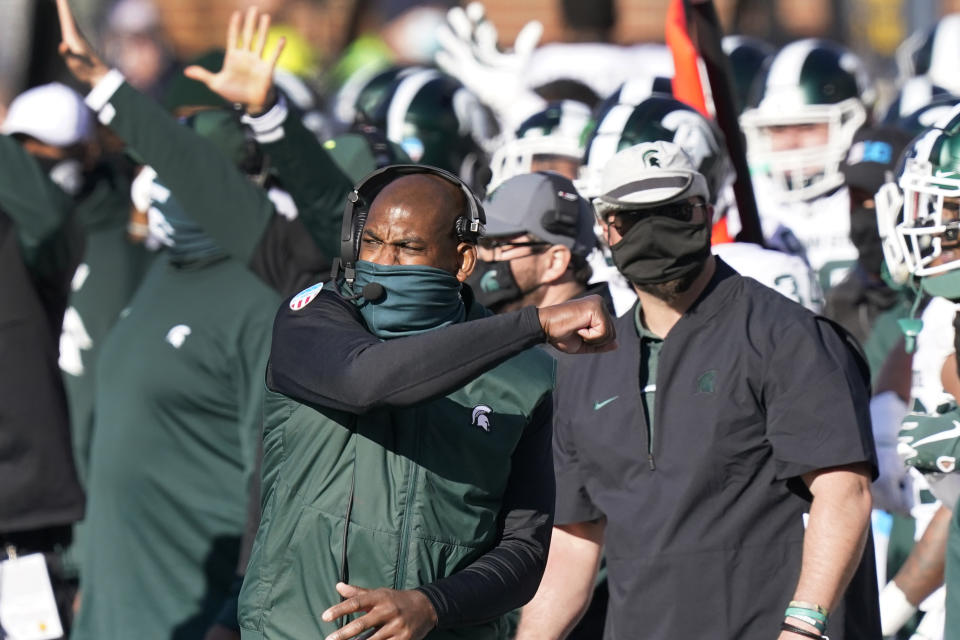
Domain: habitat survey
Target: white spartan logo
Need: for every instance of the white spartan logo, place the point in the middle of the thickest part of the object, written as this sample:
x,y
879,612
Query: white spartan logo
x,y
481,417
177,335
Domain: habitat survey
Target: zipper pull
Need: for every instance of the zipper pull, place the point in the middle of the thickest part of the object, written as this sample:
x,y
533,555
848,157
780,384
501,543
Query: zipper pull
x,y
653,465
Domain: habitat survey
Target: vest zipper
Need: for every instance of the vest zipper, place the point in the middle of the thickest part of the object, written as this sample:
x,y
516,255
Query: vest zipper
x,y
405,530
344,572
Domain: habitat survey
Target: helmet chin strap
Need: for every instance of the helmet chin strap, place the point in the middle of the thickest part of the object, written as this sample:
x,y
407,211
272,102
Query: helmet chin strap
x,y
912,325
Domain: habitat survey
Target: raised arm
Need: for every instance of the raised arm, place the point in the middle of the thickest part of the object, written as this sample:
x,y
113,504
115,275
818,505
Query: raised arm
x,y
307,171
324,355
217,196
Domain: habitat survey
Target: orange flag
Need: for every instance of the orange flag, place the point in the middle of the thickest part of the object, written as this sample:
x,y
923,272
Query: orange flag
x,y
688,84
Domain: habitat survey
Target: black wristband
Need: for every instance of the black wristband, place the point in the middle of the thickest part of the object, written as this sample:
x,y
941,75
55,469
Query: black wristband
x,y
786,626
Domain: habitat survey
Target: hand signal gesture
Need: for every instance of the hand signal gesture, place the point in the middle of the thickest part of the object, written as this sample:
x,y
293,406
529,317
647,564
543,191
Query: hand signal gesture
x,y
80,57
246,77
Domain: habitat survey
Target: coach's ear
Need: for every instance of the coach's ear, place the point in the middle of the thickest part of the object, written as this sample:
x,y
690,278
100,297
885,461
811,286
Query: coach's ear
x,y
467,257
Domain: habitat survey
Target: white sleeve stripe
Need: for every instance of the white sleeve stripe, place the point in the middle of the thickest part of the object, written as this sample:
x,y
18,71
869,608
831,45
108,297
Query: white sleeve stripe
x,y
268,127
99,96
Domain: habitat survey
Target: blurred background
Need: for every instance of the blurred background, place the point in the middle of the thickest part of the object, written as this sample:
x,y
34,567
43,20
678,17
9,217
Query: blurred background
x,y
323,28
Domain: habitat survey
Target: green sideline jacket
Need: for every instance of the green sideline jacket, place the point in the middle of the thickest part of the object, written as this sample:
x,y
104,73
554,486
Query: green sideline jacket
x,y
421,487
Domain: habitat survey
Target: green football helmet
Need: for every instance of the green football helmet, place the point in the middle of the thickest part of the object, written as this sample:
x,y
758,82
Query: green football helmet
x,y
747,56
809,82
437,121
657,117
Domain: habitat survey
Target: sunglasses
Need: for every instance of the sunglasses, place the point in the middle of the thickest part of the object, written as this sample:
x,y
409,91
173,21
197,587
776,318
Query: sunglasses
x,y
506,245
626,218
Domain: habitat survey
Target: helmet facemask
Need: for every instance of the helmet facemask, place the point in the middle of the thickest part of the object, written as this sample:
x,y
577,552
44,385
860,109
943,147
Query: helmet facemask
x,y
803,173
931,218
889,203
556,133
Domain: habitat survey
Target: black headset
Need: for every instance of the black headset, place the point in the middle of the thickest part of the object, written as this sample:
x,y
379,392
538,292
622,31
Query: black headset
x,y
468,228
564,219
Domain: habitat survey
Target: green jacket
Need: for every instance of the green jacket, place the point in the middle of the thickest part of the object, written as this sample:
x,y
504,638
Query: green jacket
x,y
179,390
101,288
422,487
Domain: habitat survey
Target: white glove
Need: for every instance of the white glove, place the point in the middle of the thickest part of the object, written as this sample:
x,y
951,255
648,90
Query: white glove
x,y
469,52
931,626
892,490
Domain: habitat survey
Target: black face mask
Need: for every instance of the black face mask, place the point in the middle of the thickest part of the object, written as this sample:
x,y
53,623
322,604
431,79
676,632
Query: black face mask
x,y
659,249
493,284
866,238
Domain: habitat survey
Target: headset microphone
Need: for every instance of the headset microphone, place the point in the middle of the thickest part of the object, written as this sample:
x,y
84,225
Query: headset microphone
x,y
371,292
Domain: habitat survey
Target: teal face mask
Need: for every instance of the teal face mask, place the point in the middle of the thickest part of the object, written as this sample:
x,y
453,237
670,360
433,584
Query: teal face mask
x,y
416,298
945,285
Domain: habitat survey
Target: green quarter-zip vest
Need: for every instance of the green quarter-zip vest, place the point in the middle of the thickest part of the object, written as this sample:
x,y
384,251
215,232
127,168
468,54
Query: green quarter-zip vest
x,y
393,498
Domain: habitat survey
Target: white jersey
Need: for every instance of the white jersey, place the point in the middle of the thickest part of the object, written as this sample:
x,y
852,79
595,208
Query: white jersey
x,y
602,67
785,273
822,226
934,346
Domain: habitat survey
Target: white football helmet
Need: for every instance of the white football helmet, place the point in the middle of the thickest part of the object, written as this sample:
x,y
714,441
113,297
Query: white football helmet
x,y
555,131
809,82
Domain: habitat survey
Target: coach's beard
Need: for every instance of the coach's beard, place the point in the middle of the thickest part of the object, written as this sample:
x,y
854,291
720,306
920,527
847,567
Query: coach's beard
x,y
671,290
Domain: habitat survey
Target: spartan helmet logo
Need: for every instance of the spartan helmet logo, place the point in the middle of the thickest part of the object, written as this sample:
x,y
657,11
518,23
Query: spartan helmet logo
x,y
481,417
651,159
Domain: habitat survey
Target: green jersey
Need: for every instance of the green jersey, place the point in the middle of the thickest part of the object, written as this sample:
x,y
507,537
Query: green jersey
x,y
179,389
101,287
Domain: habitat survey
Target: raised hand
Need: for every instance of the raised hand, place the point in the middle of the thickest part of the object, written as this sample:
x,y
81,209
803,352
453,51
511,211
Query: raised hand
x,y
83,62
579,326
391,614
246,77
469,51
